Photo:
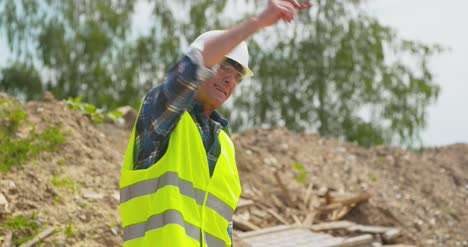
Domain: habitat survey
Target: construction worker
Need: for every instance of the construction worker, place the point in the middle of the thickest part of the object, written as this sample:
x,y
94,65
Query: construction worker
x,y
179,183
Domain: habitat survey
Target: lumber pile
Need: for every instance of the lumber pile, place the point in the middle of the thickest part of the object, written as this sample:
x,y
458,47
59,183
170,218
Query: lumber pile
x,y
316,209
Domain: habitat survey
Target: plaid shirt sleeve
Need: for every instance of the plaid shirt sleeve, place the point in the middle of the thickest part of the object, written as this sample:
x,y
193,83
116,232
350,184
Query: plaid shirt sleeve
x,y
164,105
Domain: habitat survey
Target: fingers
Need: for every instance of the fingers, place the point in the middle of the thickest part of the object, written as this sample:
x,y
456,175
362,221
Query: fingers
x,y
298,5
294,3
304,5
288,11
289,8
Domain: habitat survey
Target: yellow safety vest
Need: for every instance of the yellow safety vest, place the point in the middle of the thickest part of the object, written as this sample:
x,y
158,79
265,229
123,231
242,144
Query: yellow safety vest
x,y
175,202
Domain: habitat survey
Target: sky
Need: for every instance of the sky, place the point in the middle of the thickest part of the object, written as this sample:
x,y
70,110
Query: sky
x,y
429,21
442,22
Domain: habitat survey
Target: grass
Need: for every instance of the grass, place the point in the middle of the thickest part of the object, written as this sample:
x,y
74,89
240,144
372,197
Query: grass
x,y
14,150
70,231
63,183
24,227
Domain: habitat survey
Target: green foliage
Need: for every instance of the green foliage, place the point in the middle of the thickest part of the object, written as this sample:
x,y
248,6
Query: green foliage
x,y
336,71
64,182
97,116
302,173
331,73
70,231
22,81
373,178
14,150
24,227
11,115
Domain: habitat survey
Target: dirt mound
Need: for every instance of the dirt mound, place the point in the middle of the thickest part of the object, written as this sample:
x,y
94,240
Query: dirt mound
x,y
425,195
76,189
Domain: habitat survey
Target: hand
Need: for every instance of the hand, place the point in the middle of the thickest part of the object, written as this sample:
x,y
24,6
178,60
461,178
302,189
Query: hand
x,y
277,10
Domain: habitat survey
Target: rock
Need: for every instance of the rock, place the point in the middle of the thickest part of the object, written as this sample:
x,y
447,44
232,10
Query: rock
x,y
92,196
4,207
11,187
116,197
270,161
114,231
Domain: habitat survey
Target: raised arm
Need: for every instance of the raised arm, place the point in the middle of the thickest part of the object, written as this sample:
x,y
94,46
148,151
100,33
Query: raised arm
x,y
276,10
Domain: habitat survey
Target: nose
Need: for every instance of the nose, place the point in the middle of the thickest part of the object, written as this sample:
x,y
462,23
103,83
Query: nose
x,y
230,79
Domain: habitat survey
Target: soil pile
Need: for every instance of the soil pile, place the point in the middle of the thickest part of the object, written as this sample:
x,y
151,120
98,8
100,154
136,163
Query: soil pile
x,y
76,189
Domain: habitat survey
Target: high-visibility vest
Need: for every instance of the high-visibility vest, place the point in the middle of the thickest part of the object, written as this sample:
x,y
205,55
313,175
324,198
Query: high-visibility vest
x,y
175,202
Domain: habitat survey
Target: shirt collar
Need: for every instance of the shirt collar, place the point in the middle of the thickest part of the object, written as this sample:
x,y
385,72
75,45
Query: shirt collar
x,y
215,116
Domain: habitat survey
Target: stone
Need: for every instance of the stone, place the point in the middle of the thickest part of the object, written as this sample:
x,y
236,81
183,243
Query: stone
x,y
92,196
4,207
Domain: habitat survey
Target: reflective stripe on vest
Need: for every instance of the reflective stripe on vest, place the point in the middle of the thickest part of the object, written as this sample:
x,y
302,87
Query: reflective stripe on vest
x,y
175,202
186,188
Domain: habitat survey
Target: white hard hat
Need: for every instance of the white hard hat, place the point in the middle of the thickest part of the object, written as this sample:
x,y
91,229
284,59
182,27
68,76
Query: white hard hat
x,y
240,53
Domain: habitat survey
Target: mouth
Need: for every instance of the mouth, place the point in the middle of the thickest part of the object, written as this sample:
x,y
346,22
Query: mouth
x,y
221,90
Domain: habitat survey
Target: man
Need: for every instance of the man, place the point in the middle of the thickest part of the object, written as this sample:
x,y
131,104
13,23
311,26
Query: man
x,y
179,184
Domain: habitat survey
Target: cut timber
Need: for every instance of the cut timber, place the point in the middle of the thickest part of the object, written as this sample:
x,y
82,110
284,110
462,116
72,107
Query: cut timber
x,y
355,241
244,225
370,229
244,203
277,216
331,226
49,231
399,245
346,202
284,189
341,213
390,235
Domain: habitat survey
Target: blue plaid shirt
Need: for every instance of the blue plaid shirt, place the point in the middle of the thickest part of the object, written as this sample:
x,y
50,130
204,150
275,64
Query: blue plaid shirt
x,y
162,109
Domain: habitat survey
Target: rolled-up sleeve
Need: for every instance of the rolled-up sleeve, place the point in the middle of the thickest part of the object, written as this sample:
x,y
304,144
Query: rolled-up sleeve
x,y
164,105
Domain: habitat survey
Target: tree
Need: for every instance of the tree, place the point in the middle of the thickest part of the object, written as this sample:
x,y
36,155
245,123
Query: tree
x,y
340,73
336,71
75,44
21,80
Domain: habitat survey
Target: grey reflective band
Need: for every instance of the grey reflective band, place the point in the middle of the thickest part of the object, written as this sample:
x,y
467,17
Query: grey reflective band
x,y
220,207
186,188
159,221
213,241
151,186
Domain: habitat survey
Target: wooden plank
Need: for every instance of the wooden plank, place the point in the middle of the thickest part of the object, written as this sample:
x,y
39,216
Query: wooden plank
x,y
345,202
296,219
264,231
44,234
244,225
390,235
283,188
399,245
370,229
341,213
331,226
243,203
277,216
355,241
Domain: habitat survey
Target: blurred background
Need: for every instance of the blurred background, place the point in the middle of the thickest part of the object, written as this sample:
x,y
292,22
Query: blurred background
x,y
369,72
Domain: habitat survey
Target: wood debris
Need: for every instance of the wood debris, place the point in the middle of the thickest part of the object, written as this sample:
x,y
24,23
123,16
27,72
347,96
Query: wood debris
x,y
310,207
46,233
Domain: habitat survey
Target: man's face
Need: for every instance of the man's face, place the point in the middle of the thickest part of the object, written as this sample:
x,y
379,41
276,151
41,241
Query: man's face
x,y
219,88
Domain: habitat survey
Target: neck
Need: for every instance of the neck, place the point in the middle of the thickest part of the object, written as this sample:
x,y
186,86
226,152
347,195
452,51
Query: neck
x,y
207,109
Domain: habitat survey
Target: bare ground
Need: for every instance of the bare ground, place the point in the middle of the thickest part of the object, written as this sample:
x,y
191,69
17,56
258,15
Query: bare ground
x,y
424,194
